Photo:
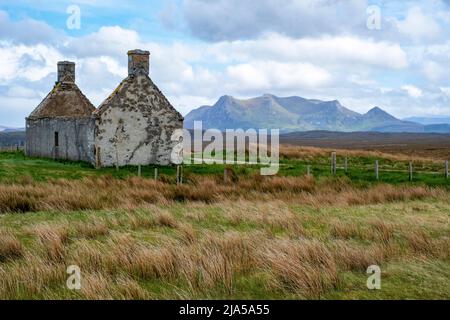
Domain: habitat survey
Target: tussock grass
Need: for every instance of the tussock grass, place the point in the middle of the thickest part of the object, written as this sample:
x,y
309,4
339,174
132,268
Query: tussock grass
x,y
92,229
250,237
10,246
53,238
133,193
310,153
200,250
356,257
306,267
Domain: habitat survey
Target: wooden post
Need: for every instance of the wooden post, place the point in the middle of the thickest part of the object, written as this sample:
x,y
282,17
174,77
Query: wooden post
x,y
181,174
376,170
346,164
225,175
446,169
333,163
410,171
156,174
308,170
139,171
117,159
178,174
97,158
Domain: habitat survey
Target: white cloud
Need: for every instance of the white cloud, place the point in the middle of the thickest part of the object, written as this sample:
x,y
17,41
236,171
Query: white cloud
x,y
412,91
109,40
419,26
445,91
285,47
241,19
270,75
22,92
32,63
434,71
329,50
26,31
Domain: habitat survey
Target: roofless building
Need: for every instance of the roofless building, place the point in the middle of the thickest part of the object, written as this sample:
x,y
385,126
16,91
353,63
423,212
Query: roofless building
x,y
133,126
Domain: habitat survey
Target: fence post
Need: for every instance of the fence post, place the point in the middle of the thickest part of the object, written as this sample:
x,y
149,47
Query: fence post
x,y
179,175
97,157
139,171
156,174
410,171
446,169
333,163
117,159
308,170
376,170
225,175
346,164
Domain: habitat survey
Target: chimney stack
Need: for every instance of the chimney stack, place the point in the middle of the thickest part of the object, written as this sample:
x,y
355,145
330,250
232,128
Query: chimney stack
x,y
66,71
138,62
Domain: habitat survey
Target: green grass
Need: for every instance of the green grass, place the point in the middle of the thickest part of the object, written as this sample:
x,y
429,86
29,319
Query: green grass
x,y
409,270
404,275
14,167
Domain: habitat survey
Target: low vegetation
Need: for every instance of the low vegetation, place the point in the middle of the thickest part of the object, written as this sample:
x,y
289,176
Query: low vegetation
x,y
290,236
230,249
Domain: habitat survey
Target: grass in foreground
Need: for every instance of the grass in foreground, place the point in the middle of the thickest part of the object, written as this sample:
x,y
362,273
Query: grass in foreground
x,y
283,237
231,249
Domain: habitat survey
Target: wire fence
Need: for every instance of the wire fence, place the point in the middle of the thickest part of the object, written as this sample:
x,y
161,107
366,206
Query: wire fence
x,y
12,148
377,168
346,165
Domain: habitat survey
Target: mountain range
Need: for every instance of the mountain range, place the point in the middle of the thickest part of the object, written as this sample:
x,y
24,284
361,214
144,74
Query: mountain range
x,y
429,120
291,114
9,129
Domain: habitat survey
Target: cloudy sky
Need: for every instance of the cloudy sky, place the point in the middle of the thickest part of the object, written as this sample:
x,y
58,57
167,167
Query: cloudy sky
x,y
392,54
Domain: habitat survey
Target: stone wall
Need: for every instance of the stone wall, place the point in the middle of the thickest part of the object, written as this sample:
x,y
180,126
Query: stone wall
x,y
135,126
75,138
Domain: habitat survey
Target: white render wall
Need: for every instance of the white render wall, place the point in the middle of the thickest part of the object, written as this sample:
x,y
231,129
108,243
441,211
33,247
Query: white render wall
x,y
135,126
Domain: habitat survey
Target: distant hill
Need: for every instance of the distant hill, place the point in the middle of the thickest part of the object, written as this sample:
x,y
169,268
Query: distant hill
x,y
9,129
12,138
292,114
429,120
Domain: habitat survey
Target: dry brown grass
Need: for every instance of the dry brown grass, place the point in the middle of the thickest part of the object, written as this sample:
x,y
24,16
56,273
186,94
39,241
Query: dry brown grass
x,y
215,260
383,231
10,246
30,276
345,230
53,238
166,219
310,153
356,257
133,193
98,286
305,267
197,262
92,229
423,244
187,233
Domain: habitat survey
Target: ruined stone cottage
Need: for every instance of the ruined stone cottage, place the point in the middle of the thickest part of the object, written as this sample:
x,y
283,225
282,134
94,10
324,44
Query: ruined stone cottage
x,y
135,123
133,126
61,126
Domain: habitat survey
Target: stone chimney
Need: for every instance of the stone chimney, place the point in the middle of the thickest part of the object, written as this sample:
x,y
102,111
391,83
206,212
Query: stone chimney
x,y
66,71
138,62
